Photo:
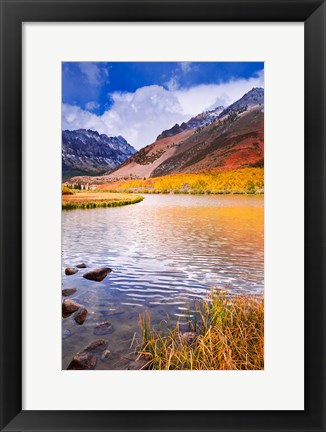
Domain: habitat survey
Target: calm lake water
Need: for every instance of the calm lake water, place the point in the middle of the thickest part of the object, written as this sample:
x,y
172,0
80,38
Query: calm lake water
x,y
165,253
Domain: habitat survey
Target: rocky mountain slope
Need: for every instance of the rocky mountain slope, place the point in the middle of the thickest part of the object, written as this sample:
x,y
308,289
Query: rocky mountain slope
x,y
221,139
255,97
200,120
86,152
234,141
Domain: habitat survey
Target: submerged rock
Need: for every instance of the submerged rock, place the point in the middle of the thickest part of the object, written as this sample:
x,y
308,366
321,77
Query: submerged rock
x,y
69,306
71,271
68,291
103,328
98,274
83,361
80,316
82,265
113,311
96,346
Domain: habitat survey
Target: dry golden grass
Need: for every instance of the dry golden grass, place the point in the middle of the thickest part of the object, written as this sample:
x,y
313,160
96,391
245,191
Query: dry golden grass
x,y
66,191
229,334
92,199
245,180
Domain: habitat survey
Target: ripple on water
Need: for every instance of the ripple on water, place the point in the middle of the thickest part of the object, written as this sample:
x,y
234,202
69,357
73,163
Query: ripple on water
x,y
167,251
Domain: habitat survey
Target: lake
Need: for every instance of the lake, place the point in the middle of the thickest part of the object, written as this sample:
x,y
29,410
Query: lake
x,y
165,253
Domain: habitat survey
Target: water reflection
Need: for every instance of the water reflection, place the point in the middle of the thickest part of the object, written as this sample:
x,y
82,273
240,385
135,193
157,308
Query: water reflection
x,y
164,252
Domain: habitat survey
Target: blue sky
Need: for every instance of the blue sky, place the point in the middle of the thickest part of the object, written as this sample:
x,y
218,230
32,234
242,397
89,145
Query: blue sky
x,y
139,100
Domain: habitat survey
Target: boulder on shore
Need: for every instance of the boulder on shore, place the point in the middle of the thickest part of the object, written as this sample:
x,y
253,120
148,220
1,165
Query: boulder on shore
x,y
98,274
71,271
69,306
80,316
68,292
103,328
83,361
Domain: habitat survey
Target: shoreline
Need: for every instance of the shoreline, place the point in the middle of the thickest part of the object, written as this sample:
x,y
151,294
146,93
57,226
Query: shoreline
x,y
91,200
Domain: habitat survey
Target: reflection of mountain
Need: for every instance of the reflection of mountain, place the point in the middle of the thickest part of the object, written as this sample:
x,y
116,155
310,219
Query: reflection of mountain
x,y
88,152
222,139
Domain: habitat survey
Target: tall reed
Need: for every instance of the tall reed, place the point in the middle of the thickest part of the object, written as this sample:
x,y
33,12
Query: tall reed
x,y
225,333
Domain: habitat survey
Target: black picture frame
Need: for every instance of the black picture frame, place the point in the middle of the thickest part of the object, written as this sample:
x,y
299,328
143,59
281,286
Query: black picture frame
x,y
13,14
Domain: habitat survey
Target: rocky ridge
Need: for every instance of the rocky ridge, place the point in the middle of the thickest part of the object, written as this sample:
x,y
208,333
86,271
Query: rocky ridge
x,y
86,152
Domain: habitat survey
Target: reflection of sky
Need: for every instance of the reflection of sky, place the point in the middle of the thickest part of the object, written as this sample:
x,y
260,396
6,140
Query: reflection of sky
x,y
172,251
165,253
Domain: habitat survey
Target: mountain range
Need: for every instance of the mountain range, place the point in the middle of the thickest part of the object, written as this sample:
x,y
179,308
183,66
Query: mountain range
x,y
199,120
222,138
86,152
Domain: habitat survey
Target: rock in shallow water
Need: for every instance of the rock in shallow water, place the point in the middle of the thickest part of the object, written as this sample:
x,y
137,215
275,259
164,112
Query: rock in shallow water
x,y
82,265
112,311
83,361
68,291
69,306
80,316
103,328
98,274
87,358
71,271
96,346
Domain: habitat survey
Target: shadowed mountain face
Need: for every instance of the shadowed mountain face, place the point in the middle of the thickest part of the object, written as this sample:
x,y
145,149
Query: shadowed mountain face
x,y
86,152
223,139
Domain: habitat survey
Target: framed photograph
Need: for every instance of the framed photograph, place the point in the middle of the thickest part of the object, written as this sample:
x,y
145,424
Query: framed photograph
x,y
162,217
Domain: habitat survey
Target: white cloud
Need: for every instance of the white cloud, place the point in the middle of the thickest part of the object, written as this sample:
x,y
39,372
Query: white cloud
x,y
73,117
207,96
182,69
185,67
95,73
142,115
172,84
92,105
